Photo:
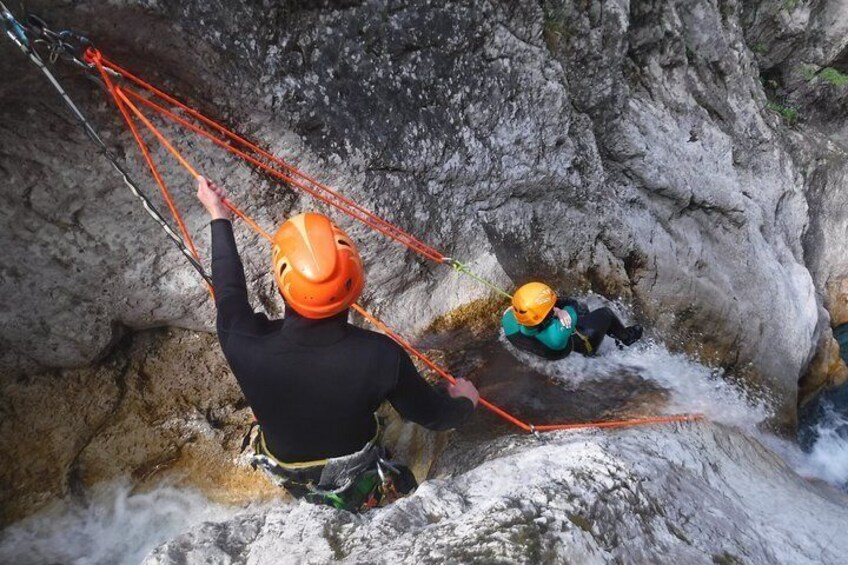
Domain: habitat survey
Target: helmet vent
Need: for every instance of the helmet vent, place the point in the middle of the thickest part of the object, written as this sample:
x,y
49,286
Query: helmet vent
x,y
283,268
343,242
348,283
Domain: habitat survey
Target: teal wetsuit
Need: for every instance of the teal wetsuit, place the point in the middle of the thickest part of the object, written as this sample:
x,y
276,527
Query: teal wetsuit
x,y
550,339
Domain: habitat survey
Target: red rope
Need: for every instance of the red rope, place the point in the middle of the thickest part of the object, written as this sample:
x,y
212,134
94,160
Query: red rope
x,y
121,99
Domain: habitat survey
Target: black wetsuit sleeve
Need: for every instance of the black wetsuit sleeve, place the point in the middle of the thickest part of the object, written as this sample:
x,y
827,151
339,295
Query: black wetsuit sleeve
x,y
234,309
416,400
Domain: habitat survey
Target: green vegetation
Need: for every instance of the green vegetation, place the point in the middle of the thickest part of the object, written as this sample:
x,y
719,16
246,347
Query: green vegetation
x,y
580,522
834,77
759,47
790,5
726,558
554,24
827,74
788,113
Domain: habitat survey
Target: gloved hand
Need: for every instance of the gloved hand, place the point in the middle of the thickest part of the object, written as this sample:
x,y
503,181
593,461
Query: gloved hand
x,y
464,389
212,197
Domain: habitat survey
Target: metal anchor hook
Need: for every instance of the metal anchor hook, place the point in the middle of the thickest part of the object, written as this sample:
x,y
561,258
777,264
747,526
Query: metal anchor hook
x,y
66,43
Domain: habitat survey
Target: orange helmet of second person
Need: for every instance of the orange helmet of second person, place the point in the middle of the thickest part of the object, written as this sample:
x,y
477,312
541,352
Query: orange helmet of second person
x,y
317,266
532,303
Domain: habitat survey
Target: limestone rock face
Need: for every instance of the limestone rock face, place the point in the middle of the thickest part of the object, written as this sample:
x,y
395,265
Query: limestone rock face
x,y
802,51
684,157
632,149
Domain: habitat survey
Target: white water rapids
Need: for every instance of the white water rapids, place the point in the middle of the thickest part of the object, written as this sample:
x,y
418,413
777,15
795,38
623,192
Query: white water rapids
x,y
112,525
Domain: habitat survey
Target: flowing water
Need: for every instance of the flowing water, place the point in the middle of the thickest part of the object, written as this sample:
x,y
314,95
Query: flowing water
x,y
111,525
828,457
115,525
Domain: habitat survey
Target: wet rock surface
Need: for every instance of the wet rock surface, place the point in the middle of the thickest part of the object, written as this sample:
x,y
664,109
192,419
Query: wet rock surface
x,y
163,407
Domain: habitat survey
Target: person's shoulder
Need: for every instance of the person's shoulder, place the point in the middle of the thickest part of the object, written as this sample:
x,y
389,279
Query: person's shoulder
x,y
555,336
509,323
253,327
374,339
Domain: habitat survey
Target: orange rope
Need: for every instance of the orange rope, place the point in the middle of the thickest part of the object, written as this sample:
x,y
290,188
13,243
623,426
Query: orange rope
x,y
506,415
122,101
184,162
622,423
317,189
145,151
438,370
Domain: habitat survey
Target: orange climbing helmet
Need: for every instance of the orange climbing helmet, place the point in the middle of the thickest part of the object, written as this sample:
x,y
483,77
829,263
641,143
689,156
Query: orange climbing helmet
x,y
316,266
532,303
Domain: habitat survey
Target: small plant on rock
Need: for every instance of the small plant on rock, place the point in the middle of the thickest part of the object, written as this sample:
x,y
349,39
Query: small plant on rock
x,y
827,74
809,72
834,77
788,113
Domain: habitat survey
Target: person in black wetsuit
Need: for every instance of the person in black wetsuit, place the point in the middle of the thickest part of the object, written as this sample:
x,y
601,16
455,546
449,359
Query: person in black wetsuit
x,y
312,379
552,327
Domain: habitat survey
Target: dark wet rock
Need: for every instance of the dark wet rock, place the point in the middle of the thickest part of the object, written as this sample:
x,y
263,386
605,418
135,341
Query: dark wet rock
x,y
163,406
828,411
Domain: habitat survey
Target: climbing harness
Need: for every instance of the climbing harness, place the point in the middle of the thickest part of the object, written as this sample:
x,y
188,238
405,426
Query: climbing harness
x,y
587,344
128,99
354,482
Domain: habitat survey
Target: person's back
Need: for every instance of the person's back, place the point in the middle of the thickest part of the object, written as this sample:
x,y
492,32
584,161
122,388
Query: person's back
x,y
314,385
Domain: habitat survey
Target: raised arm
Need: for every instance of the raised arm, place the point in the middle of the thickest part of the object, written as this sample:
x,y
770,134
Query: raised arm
x,y
227,270
436,409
